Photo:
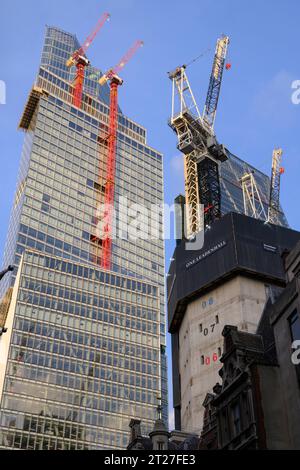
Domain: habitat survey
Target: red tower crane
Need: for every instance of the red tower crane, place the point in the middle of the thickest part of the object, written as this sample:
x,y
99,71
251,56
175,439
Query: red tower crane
x,y
115,82
80,60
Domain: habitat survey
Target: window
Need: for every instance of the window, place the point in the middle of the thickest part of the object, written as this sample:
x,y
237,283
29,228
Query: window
x,y
236,418
45,208
46,198
224,427
160,445
294,322
295,325
269,292
246,411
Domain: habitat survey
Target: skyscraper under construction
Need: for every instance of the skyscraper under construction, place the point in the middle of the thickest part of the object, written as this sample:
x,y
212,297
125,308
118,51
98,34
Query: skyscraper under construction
x,y
85,346
229,279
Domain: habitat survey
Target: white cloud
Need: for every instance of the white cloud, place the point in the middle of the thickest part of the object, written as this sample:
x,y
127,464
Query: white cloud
x,y
273,101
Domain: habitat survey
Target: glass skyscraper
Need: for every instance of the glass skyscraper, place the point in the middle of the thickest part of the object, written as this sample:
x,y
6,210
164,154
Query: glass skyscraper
x,y
85,348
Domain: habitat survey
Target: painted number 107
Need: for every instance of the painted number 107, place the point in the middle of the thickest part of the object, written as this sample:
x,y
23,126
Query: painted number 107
x,y
211,329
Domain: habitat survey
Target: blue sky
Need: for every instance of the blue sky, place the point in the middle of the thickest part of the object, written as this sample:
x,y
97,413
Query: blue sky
x,y
255,111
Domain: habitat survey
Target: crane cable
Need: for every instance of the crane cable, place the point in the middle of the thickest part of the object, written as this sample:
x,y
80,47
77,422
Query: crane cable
x,y
199,57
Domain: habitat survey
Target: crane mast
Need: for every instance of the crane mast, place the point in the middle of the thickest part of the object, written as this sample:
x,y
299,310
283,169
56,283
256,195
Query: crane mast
x,y
107,216
186,122
274,203
111,170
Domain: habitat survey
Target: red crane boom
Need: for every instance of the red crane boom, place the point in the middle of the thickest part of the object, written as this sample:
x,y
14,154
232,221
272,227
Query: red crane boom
x,y
105,17
79,59
117,68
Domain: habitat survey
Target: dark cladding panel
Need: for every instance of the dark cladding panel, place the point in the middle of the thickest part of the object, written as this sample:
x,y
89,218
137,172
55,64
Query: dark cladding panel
x,y
192,270
175,364
260,246
236,244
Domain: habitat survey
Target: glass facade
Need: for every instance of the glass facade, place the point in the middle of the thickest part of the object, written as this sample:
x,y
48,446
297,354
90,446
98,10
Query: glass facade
x,y
231,173
84,356
60,188
58,47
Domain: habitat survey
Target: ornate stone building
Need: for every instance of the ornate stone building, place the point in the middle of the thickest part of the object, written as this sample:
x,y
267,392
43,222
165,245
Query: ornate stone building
x,y
227,282
257,404
160,438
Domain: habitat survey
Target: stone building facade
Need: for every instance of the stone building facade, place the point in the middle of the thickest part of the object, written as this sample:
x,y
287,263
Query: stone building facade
x,y
257,404
227,282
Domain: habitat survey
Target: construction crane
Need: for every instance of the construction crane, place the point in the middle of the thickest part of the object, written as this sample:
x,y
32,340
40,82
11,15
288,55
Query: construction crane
x,y
274,203
253,205
198,143
215,83
186,121
208,168
80,61
115,81
112,73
